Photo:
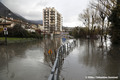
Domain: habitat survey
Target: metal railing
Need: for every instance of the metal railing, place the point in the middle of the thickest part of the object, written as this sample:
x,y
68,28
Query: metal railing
x,y
63,49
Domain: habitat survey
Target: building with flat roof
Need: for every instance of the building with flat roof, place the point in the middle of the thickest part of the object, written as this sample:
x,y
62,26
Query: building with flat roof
x,y
52,20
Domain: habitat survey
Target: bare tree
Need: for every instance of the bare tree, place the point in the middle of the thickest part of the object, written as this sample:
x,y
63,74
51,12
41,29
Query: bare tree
x,y
85,18
90,17
97,15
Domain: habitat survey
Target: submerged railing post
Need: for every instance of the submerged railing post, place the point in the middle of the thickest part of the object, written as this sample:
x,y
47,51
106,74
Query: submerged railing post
x,y
62,50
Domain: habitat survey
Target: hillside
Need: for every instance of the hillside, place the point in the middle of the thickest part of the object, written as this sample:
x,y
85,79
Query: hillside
x,y
4,12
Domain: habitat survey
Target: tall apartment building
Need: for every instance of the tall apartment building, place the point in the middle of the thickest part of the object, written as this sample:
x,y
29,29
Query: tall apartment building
x,y
52,20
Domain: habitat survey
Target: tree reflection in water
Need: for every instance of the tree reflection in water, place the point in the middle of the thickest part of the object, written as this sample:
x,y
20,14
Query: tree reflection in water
x,y
88,58
106,59
52,44
26,55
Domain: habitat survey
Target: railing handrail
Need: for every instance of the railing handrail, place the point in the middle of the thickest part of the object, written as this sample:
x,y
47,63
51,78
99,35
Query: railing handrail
x,y
55,66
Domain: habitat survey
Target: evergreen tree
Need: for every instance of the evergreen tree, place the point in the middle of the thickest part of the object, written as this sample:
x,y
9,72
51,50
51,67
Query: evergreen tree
x,y
114,18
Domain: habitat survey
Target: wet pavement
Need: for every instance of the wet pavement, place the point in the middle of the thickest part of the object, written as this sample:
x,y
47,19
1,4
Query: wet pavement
x,y
88,59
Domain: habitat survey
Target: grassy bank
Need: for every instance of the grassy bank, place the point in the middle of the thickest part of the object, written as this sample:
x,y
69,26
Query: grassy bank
x,y
16,40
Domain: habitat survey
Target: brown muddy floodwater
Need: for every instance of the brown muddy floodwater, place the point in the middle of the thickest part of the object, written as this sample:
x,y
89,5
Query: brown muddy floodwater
x,y
88,59
30,60
26,61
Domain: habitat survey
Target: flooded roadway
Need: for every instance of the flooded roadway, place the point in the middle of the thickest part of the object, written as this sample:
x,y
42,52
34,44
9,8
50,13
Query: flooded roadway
x,y
89,59
30,61
26,61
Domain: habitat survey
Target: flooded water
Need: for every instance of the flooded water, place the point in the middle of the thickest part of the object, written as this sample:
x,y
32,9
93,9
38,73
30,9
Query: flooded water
x,y
88,59
31,61
27,61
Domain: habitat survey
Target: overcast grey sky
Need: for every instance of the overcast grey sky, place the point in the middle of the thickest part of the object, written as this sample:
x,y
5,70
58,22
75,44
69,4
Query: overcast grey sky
x,y
32,9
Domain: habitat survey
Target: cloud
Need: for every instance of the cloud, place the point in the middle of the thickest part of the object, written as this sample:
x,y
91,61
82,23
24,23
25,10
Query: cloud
x,y
42,3
70,9
32,9
72,21
35,15
1,0
28,9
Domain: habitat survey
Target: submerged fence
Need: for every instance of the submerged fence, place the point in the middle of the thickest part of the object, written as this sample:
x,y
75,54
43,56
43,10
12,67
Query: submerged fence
x,y
61,52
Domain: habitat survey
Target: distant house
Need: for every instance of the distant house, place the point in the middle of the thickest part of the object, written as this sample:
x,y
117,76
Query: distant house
x,y
32,28
9,22
4,23
41,27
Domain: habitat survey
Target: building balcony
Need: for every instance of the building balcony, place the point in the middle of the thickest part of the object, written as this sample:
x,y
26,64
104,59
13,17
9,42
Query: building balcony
x,y
52,19
46,21
52,22
52,15
46,27
45,16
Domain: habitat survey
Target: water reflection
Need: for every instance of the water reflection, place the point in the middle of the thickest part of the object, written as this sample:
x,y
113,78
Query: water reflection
x,y
27,61
88,58
53,45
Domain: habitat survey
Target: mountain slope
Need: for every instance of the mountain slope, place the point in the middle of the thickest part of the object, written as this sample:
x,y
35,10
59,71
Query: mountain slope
x,y
36,21
4,12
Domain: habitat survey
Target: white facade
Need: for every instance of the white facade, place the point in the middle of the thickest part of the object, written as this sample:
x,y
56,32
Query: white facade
x,y
52,20
41,27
